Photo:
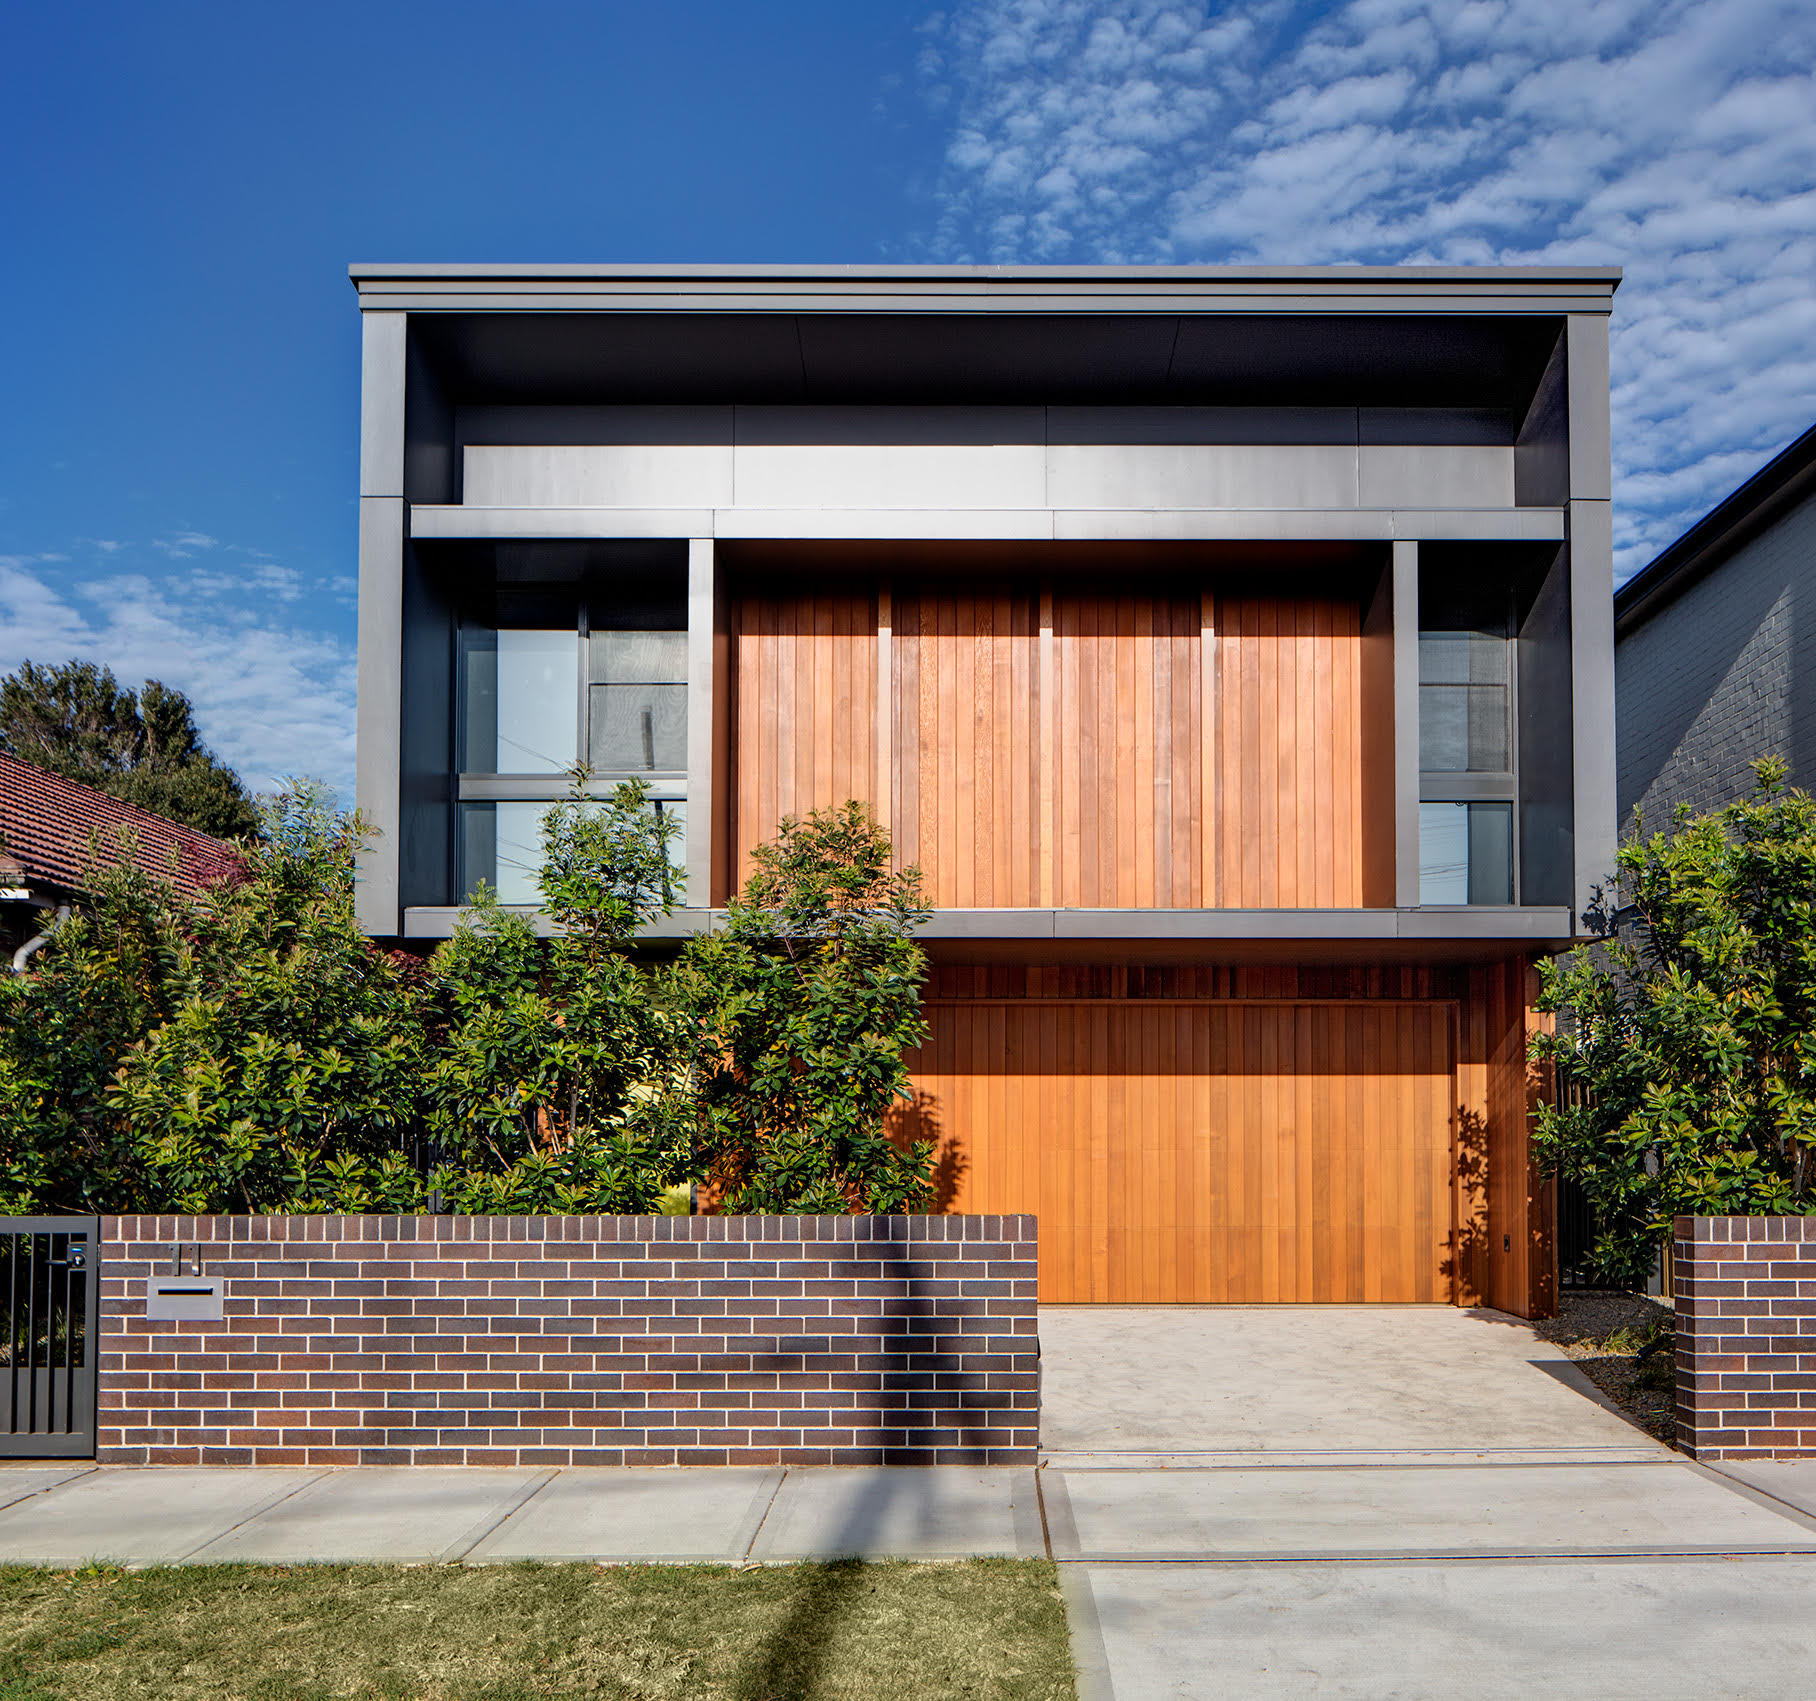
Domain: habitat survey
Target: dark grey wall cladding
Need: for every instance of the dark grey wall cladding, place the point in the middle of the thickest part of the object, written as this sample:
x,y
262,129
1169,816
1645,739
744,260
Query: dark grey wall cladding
x,y
1710,683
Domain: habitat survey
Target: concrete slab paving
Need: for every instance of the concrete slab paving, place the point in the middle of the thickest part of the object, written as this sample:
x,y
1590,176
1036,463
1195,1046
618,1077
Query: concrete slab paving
x,y
156,1515
1420,1511
408,1515
945,1512
708,1516
20,1482
1791,1480
1635,1630
1173,1380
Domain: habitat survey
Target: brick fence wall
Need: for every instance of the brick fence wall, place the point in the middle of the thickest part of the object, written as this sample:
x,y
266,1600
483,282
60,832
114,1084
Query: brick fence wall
x,y
576,1340
1746,1336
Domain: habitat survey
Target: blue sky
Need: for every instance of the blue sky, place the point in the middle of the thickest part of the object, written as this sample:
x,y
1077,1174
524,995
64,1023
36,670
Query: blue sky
x,y
184,186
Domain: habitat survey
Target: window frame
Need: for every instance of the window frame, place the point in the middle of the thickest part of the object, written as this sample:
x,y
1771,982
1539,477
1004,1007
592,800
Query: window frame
x,y
1438,785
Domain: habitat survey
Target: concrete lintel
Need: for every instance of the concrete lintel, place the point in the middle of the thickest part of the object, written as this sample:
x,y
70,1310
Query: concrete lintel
x,y
1378,525
438,921
1222,924
1546,925
435,521
886,523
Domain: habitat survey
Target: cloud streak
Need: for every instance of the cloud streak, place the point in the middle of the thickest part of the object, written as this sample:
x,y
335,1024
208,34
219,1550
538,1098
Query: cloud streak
x,y
1677,140
272,696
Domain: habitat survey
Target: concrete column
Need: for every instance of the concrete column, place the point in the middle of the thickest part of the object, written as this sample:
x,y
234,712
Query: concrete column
x,y
1406,724
702,716
1592,692
382,518
1591,523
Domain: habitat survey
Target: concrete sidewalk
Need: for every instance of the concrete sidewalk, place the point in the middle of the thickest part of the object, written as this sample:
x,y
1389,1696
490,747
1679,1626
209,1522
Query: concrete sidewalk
x,y
173,1515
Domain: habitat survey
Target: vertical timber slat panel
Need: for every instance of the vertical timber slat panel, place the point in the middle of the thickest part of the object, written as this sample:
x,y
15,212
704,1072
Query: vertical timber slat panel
x,y
1203,1151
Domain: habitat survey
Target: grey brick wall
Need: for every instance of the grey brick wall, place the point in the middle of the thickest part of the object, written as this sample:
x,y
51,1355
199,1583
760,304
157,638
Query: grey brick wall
x,y
1722,675
576,1341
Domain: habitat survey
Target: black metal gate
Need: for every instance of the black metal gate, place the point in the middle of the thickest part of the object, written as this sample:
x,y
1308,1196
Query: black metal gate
x,y
47,1355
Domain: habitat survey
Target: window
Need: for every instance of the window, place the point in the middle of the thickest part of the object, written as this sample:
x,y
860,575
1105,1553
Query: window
x,y
1465,724
1465,853
550,676
637,702
1466,758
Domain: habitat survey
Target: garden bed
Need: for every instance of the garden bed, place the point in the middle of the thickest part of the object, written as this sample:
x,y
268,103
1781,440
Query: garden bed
x,y
1605,1334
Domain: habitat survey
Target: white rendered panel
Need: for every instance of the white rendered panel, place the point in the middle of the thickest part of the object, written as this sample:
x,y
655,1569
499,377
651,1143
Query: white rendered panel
x,y
1437,476
1201,475
598,475
895,475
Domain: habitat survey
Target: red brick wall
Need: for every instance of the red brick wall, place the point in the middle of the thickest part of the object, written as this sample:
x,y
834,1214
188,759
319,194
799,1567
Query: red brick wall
x,y
1746,1336
576,1340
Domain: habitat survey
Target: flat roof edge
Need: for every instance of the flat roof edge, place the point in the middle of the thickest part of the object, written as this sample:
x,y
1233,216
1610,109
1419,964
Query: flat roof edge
x,y
605,272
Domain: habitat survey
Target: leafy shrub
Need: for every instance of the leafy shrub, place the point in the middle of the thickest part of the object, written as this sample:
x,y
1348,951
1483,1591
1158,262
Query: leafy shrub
x,y
808,999
1691,1028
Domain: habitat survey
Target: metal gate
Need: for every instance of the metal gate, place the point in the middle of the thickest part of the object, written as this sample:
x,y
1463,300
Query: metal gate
x,y
47,1356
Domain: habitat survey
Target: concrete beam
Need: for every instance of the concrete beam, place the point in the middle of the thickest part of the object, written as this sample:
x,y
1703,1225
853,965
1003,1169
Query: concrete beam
x,y
1406,723
1368,525
378,761
1592,692
381,403
1591,457
702,711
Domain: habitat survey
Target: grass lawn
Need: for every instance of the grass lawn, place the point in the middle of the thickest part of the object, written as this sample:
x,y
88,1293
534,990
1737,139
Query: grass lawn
x,y
991,1628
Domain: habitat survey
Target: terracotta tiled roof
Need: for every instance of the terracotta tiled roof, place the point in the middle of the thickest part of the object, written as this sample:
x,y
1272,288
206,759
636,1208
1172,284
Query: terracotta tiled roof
x,y
46,823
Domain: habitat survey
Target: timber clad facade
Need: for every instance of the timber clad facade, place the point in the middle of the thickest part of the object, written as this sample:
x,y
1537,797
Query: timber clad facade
x,y
1230,650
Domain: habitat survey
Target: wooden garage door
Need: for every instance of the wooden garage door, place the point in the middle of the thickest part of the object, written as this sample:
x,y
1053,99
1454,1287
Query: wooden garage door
x,y
1203,1151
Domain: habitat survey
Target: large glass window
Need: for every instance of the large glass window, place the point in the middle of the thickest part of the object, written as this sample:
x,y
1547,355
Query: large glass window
x,y
551,675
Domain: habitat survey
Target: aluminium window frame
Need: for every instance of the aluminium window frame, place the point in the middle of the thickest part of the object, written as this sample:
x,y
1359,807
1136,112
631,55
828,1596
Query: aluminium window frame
x,y
1440,785
667,786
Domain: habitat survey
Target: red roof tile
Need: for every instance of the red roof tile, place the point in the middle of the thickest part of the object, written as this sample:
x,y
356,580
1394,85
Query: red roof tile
x,y
46,822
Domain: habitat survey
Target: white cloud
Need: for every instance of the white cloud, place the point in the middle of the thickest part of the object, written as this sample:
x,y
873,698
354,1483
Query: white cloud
x,y
271,697
1675,138
184,544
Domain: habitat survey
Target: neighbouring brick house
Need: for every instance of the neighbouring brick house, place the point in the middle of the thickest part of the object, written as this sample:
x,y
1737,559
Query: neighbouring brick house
x,y
52,830
1712,645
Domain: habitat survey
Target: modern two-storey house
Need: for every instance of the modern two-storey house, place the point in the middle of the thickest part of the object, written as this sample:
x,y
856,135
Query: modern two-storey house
x,y
1231,649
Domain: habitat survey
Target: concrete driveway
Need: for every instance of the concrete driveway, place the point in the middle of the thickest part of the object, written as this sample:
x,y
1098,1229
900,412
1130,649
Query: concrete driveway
x,y
1332,1501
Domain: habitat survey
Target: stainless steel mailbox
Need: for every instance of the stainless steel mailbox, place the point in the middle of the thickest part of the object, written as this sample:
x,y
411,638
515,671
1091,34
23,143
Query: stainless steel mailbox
x,y
178,1298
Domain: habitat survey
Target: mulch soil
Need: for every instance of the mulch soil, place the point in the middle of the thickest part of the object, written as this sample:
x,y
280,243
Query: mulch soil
x,y
1583,1327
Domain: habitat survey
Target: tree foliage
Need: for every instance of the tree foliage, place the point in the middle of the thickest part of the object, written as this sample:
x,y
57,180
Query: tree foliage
x,y
253,1051
1688,1032
551,1087
141,746
808,999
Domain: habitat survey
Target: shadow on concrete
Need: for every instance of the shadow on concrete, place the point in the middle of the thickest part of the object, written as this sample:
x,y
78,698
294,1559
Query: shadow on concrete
x,y
789,1665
